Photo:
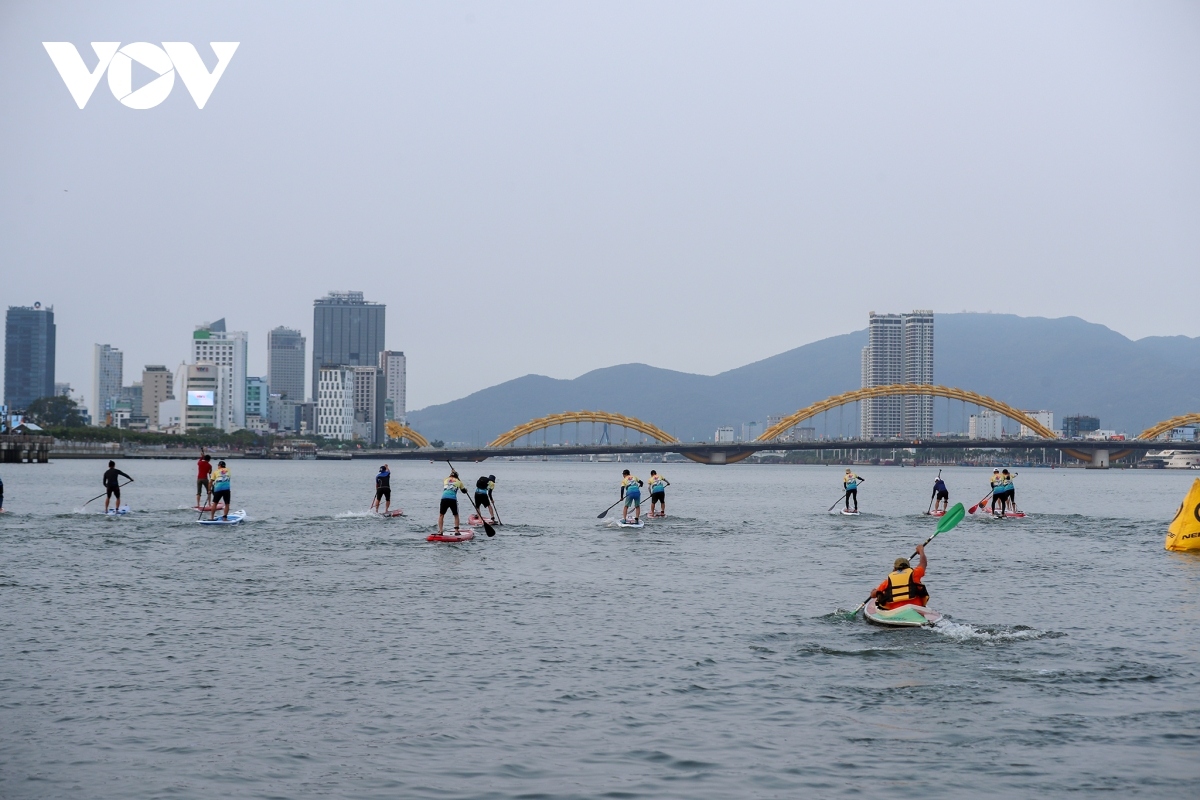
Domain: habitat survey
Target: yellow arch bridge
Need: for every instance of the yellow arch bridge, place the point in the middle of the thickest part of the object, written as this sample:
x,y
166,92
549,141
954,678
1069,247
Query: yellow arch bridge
x,y
727,454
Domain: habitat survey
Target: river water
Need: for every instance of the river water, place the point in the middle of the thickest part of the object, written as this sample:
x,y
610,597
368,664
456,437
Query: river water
x,y
315,651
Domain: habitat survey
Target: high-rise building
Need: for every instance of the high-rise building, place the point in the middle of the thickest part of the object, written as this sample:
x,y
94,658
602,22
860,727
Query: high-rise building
x,y
204,396
347,332
918,368
212,344
108,373
285,363
28,355
156,389
987,424
1076,426
395,366
257,397
335,402
1044,417
369,405
899,350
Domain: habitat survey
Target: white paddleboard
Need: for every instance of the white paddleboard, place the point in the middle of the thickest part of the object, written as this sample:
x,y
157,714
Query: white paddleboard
x,y
234,519
850,513
114,512
630,524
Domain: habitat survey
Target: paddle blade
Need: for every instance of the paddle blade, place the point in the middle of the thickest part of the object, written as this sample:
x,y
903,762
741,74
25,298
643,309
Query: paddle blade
x,y
952,518
602,514
489,529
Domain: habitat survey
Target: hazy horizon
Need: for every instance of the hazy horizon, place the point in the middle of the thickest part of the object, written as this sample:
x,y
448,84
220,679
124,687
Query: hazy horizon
x,y
551,189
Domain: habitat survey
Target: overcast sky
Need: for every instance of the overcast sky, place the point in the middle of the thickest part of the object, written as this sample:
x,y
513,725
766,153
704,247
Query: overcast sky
x,y
554,187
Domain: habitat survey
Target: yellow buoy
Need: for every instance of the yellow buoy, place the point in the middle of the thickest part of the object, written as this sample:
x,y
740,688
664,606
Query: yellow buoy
x,y
1184,533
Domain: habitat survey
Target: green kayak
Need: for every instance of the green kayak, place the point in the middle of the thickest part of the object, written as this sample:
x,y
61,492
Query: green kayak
x,y
909,616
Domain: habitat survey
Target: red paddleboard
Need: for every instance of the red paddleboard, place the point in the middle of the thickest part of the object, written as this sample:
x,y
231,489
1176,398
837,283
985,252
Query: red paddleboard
x,y
204,508
395,512
937,513
461,536
653,516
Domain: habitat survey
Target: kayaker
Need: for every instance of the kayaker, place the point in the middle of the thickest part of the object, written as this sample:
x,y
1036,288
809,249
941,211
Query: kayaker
x,y
658,493
631,493
221,480
450,489
903,587
941,495
850,483
483,492
112,485
203,470
383,489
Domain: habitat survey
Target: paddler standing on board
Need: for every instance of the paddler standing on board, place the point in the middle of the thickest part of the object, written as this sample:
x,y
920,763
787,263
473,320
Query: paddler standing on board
x,y
1004,495
995,483
450,489
203,470
383,490
941,496
850,483
483,493
631,493
112,485
903,586
221,480
658,493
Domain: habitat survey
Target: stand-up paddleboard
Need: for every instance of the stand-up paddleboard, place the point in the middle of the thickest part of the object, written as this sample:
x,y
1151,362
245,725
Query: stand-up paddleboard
x,y
461,536
476,521
630,523
114,512
848,513
937,513
395,512
909,616
234,518
658,515
203,508
1010,515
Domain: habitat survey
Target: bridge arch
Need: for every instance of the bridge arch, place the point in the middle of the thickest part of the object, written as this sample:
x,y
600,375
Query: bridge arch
x,y
1166,425
541,423
395,430
901,389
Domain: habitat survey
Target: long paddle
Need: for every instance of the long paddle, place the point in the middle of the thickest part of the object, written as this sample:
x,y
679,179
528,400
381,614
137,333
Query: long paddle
x,y
952,518
120,486
495,511
488,529
971,510
604,513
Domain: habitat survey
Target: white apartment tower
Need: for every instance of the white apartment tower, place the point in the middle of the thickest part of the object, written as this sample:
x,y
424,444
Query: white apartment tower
x,y
335,402
212,344
395,366
899,350
108,373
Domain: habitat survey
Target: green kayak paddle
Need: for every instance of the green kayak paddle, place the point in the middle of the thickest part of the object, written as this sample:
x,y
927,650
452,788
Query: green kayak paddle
x,y
951,519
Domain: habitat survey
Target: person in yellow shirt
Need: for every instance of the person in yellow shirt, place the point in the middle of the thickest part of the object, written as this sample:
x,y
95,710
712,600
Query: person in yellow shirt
x,y
631,491
450,489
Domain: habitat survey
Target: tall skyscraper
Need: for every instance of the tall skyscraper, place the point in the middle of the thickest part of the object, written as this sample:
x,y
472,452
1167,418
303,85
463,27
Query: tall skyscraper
x,y
203,396
28,355
156,389
347,332
918,368
212,344
395,366
257,397
108,374
899,350
285,363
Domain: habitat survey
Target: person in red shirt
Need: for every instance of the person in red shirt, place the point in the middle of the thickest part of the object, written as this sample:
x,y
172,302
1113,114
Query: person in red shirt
x,y
903,587
203,470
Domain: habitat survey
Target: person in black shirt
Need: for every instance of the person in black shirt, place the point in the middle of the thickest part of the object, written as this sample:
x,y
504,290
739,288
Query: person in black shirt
x,y
483,491
383,489
112,485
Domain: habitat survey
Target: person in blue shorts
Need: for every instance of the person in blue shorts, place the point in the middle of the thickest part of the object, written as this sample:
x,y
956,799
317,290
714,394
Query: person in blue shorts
x,y
631,492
